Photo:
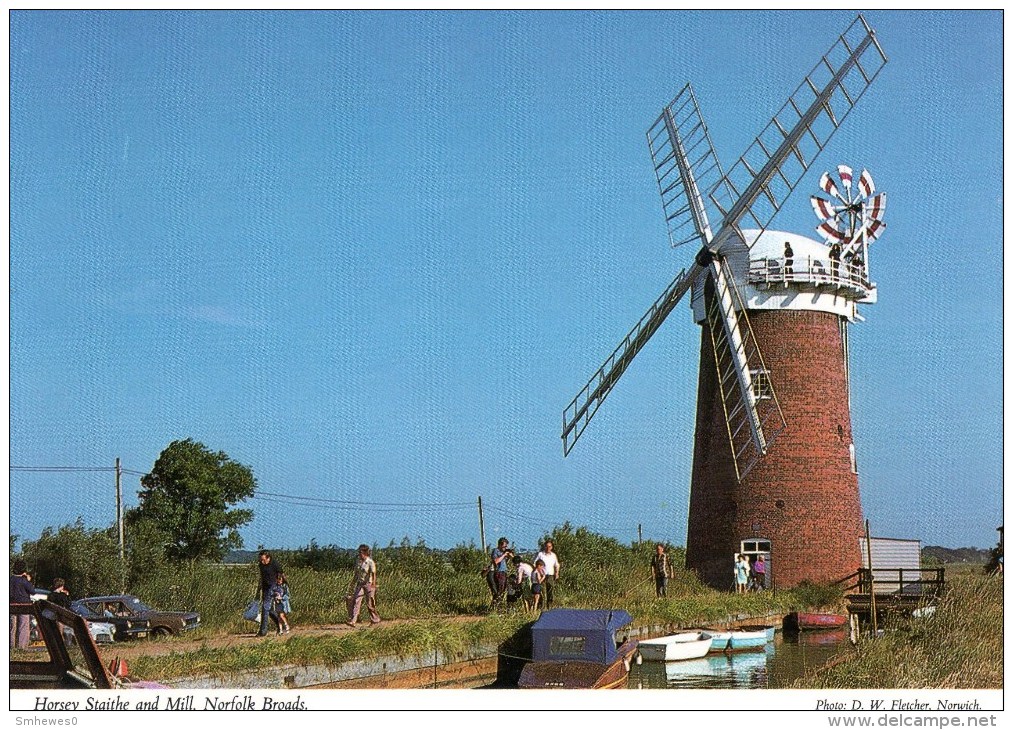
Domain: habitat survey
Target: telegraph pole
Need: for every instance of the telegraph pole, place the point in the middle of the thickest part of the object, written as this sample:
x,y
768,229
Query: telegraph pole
x,y
119,523
481,523
119,506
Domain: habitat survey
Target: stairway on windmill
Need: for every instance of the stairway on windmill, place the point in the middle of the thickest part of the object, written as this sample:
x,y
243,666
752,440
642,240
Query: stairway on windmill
x,y
774,465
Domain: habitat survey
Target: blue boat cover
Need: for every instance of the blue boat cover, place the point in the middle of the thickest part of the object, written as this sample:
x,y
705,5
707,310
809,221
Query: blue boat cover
x,y
574,634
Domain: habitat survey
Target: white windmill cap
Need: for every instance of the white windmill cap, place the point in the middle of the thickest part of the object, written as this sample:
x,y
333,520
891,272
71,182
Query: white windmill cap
x,y
806,253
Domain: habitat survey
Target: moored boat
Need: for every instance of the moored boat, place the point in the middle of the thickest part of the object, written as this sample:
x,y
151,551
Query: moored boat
x,y
577,649
802,621
719,640
742,640
677,647
760,627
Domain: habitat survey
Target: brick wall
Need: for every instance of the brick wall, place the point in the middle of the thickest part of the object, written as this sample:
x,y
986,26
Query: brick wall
x,y
803,495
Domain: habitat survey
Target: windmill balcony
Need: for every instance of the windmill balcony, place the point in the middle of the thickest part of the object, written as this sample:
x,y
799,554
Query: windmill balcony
x,y
766,273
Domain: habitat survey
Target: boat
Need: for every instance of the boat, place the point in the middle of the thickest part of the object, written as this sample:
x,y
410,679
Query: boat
x,y
719,640
685,645
740,639
801,621
744,640
574,648
769,629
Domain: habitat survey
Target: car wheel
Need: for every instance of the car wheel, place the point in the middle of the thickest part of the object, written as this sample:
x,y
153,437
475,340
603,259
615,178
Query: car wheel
x,y
161,632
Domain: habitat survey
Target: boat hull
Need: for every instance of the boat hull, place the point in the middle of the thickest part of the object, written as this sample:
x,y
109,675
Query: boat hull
x,y
747,640
742,639
769,630
799,621
719,640
677,647
579,675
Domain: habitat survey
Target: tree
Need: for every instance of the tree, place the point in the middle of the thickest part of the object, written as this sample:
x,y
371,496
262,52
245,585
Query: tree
x,y
145,544
188,496
87,558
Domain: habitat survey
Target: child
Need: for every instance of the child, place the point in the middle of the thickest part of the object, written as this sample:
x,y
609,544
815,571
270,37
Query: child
x,y
280,603
537,581
524,572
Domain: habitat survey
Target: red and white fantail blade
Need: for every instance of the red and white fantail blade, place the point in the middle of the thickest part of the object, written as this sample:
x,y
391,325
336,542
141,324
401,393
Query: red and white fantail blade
x,y
823,208
874,230
827,184
865,185
830,232
845,172
875,207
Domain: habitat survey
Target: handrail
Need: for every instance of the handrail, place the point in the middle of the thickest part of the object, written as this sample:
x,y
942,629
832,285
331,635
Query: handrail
x,y
868,579
809,270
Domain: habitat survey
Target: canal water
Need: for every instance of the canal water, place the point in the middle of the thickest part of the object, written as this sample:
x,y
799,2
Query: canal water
x,y
777,665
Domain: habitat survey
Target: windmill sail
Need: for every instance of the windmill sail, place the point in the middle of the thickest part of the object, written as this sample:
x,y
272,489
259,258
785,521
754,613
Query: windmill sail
x,y
760,181
753,415
582,408
684,163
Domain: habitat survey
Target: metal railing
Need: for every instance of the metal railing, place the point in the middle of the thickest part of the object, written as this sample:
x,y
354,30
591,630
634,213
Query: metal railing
x,y
809,270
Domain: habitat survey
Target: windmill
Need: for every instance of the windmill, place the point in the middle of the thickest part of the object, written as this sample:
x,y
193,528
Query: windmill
x,y
749,286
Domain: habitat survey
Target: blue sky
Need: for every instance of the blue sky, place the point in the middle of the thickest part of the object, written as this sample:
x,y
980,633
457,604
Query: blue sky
x,y
374,255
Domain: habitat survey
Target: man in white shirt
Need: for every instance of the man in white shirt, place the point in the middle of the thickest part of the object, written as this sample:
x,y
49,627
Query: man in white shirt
x,y
551,561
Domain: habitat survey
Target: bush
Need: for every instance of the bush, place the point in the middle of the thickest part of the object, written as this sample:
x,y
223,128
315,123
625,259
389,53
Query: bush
x,y
87,559
808,595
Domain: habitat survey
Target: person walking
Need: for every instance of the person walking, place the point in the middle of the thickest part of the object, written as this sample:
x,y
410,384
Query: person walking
x,y
789,261
269,571
363,586
551,562
280,604
660,570
21,593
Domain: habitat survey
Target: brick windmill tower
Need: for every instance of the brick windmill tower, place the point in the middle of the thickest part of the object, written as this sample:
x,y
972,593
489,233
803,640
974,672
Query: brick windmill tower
x,y
774,469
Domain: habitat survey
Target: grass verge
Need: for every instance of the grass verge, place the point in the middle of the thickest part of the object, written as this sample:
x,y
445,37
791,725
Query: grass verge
x,y
959,647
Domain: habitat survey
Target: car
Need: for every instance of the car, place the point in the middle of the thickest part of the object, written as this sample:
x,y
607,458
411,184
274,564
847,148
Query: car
x,y
101,631
134,618
66,656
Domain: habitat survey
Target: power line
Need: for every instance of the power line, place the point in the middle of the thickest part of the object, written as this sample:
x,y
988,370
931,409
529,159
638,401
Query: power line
x,y
521,518
277,497
310,502
368,504
62,468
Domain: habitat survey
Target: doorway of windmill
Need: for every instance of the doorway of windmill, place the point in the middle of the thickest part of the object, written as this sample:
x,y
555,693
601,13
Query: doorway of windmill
x,y
754,549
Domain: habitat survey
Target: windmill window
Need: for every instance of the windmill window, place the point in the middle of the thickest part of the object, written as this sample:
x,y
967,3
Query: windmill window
x,y
762,389
854,462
